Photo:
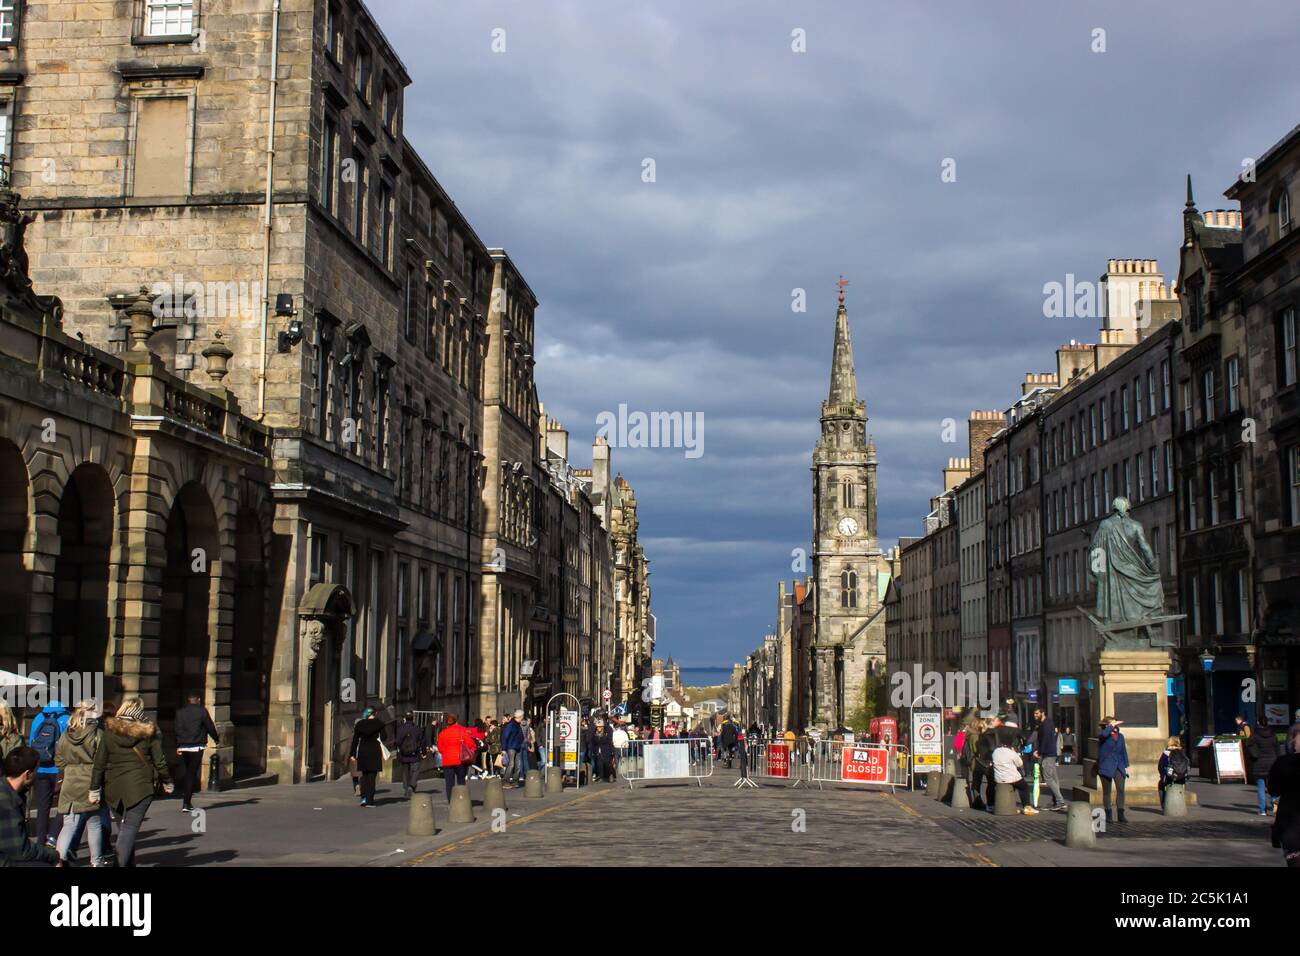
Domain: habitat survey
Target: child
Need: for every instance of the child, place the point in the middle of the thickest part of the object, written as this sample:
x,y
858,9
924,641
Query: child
x,y
1006,769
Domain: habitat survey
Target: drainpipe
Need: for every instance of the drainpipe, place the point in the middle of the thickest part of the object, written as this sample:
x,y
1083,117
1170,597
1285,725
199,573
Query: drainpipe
x,y
267,217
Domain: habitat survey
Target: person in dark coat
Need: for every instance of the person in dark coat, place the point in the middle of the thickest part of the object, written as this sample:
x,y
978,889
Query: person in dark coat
x,y
984,747
412,745
1262,749
1284,784
17,776
194,728
365,750
1112,764
602,749
128,763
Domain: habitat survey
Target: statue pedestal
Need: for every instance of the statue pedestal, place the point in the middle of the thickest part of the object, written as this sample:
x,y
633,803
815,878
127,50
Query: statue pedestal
x,y
1130,686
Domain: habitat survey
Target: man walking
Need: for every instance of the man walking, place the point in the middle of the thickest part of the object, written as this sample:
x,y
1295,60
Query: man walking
x,y
50,724
512,745
1046,752
193,728
18,776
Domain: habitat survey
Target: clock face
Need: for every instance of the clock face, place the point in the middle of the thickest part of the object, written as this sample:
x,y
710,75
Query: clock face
x,y
848,526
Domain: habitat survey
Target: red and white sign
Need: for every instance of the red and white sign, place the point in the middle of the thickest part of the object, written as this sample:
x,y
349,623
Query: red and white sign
x,y
868,765
778,760
606,695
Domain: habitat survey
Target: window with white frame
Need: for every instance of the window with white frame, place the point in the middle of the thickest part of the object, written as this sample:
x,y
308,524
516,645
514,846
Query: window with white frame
x,y
1288,348
1238,492
1207,395
1283,213
1243,602
8,20
169,18
1216,595
1155,472
1293,482
1164,388
1212,495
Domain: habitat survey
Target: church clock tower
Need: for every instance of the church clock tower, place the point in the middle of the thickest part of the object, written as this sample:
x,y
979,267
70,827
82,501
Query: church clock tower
x,y
849,624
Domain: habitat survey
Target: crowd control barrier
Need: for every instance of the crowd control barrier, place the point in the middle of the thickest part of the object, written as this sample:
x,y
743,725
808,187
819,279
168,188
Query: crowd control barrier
x,y
778,759
880,765
665,760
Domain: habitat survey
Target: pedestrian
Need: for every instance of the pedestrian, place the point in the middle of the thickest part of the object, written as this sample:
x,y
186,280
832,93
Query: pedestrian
x,y
1262,751
75,756
194,728
478,730
1046,753
18,772
1284,785
50,724
516,756
494,747
367,750
129,768
1112,764
977,756
728,738
1067,746
1007,765
602,748
533,746
412,746
1293,734
986,745
1173,766
11,735
456,744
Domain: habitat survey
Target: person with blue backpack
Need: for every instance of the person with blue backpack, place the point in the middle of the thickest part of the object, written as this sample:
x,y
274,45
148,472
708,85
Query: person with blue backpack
x,y
50,724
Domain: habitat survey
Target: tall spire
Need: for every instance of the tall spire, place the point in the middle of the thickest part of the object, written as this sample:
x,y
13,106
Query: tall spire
x,y
844,380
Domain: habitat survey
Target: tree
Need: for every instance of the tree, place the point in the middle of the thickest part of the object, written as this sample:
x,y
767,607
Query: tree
x,y
874,703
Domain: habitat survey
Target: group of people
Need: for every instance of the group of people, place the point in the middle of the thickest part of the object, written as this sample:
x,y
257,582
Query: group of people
x,y
90,773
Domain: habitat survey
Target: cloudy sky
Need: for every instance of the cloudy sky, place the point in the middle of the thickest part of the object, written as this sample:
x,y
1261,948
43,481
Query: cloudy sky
x,y
777,170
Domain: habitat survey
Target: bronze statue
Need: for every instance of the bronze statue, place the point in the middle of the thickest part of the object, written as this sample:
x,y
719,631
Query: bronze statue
x,y
1130,595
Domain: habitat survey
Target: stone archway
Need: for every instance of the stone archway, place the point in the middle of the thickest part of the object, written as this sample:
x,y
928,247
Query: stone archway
x,y
184,640
15,581
250,678
325,610
81,572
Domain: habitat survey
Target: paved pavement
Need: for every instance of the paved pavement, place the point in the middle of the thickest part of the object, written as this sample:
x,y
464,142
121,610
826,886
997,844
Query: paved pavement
x,y
683,824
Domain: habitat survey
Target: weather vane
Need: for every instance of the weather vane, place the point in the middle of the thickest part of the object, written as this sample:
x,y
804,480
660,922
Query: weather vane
x,y
842,284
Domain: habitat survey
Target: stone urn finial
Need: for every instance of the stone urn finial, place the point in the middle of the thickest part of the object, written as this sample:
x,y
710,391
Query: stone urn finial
x,y
140,313
218,357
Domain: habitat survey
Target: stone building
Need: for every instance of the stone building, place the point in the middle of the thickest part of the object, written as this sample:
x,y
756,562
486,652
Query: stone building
x,y
848,578
1265,292
972,497
382,350
794,628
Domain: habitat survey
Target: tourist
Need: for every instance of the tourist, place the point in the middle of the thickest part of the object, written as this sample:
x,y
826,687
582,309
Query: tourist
x,y
1284,785
1262,752
412,746
1007,765
987,743
728,738
1173,766
129,766
516,756
1045,752
478,730
602,749
979,763
75,756
11,735
16,778
494,759
1112,765
456,744
368,751
50,724
194,728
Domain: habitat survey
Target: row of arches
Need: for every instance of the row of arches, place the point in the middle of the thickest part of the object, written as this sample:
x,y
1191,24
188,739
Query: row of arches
x,y
70,583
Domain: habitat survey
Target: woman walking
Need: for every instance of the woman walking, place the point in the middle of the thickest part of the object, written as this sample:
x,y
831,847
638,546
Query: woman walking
x,y
128,767
456,744
11,736
75,756
1284,784
367,751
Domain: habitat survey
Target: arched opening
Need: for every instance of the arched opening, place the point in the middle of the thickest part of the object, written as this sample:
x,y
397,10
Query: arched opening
x,y
183,644
323,614
80,625
15,582
250,677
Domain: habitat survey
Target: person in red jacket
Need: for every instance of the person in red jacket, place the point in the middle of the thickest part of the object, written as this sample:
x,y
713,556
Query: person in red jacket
x,y
456,745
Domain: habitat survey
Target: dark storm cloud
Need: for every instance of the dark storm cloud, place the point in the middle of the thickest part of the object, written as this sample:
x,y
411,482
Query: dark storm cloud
x,y
778,171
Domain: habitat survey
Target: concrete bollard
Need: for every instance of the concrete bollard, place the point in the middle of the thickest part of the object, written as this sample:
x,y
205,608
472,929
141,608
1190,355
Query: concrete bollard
x,y
494,795
419,815
1175,800
1078,825
533,785
460,810
960,798
939,785
555,781
1004,800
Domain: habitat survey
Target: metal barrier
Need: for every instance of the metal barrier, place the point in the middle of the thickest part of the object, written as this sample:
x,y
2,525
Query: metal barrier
x,y
881,765
777,759
665,760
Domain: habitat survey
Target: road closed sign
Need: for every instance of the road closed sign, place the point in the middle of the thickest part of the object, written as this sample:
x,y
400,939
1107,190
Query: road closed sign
x,y
778,760
927,741
865,764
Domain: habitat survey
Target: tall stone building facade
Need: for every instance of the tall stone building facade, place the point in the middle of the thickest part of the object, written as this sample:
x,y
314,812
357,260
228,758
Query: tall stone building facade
x,y
849,625
245,165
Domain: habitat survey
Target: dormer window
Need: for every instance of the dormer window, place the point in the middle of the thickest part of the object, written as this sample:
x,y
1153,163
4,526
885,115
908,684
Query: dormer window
x,y
168,18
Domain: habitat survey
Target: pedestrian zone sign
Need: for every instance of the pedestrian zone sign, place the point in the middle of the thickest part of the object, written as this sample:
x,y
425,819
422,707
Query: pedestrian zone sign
x,y
569,739
927,740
